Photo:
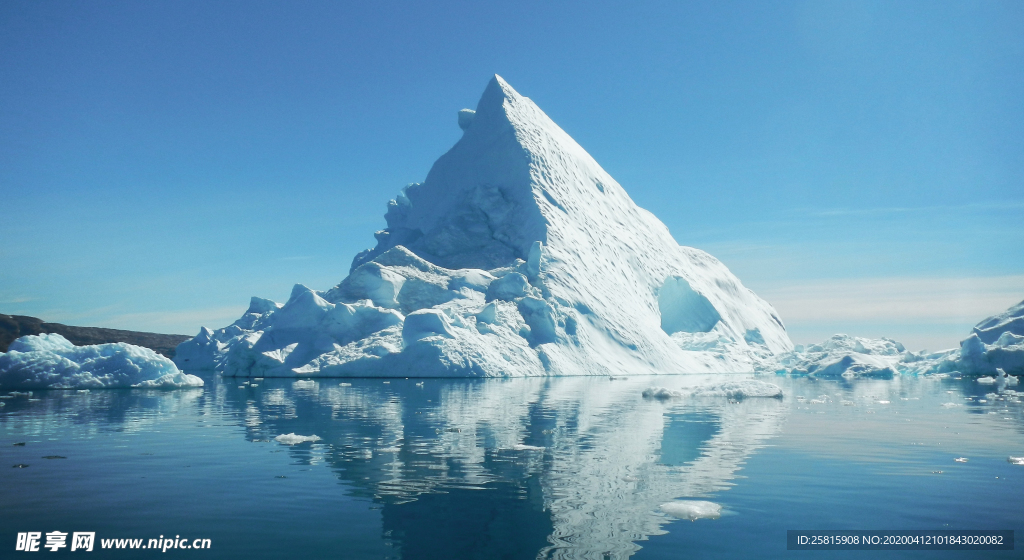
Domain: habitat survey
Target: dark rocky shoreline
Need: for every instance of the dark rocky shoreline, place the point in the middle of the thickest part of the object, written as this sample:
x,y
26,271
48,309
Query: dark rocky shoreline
x,y
14,326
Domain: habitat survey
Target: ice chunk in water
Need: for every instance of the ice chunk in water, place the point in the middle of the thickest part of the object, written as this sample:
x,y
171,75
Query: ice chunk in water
x,y
293,439
692,509
730,389
524,447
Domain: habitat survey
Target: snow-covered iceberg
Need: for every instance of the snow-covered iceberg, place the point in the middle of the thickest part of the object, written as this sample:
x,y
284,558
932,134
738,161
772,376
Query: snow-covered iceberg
x,y
518,255
49,361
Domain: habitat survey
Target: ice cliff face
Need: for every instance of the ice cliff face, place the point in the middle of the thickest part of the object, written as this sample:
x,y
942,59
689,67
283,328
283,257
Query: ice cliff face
x,y
518,255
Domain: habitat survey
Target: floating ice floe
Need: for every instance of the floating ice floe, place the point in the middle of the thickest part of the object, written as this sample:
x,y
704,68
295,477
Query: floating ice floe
x,y
49,361
961,459
525,447
1015,460
293,439
692,509
730,389
986,380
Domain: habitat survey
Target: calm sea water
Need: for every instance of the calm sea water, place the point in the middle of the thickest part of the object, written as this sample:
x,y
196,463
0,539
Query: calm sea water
x,y
522,468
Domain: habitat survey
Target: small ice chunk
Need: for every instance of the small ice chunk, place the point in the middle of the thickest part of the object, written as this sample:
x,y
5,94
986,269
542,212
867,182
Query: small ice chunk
x,y
730,389
305,385
951,405
986,380
692,509
1015,460
466,118
660,393
961,459
524,447
293,439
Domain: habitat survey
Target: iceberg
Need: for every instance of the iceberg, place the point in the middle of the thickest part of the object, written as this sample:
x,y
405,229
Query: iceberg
x,y
517,256
994,347
49,361
846,356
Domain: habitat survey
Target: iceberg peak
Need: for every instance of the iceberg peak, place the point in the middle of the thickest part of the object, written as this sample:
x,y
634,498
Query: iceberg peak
x,y
522,256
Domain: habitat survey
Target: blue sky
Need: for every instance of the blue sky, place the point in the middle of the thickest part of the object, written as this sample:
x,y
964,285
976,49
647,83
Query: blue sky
x,y
858,164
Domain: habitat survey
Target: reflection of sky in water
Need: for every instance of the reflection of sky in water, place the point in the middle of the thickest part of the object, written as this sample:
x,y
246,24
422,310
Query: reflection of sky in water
x,y
564,468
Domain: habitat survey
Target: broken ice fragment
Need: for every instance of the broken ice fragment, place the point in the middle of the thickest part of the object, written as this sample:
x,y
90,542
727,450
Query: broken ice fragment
x,y
692,509
293,439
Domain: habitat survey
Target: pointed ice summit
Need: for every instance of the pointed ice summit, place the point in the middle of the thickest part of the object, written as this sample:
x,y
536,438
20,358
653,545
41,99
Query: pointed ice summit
x,y
518,255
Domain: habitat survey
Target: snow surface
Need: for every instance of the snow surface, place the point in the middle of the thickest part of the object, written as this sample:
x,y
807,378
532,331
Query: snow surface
x,y
49,361
692,509
518,255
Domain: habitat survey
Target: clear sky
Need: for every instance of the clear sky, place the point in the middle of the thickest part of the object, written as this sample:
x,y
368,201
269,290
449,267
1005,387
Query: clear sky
x,y
858,164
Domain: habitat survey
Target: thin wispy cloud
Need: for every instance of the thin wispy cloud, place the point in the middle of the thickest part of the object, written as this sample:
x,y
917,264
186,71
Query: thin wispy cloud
x,y
948,300
928,210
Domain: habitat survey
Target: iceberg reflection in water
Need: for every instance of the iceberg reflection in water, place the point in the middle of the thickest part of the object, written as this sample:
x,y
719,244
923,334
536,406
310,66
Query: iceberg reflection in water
x,y
519,468
589,458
